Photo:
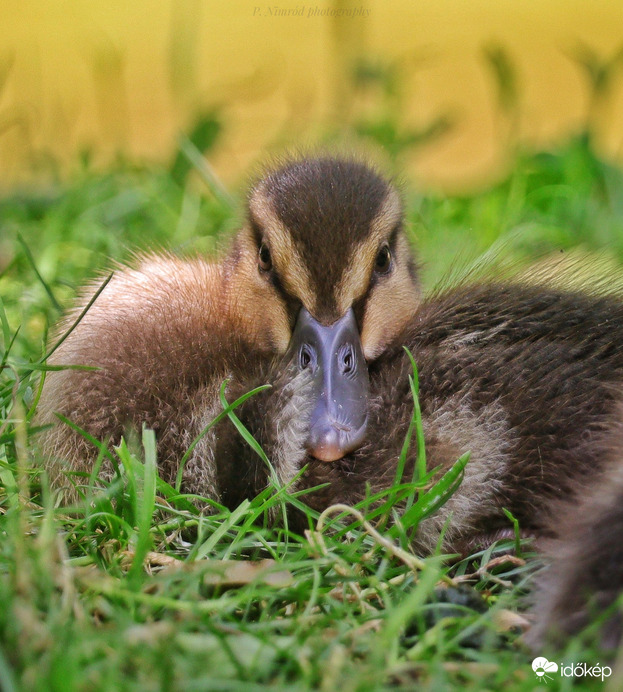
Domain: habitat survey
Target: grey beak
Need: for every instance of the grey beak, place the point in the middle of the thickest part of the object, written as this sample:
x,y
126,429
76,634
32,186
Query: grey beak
x,y
340,383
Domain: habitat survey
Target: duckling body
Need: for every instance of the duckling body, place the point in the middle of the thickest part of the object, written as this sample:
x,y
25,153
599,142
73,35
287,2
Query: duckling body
x,y
165,333
163,336
583,577
318,295
526,379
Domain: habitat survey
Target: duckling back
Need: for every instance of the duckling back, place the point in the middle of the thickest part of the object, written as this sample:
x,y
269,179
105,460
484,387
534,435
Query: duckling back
x,y
161,338
524,378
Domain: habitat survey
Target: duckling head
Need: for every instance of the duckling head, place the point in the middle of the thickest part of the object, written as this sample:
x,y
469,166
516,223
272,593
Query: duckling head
x,y
325,273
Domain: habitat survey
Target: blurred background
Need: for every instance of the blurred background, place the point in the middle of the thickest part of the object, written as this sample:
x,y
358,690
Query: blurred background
x,y
449,87
128,126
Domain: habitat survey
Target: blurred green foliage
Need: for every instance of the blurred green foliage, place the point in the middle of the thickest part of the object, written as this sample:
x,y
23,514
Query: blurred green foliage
x,y
203,136
383,84
550,201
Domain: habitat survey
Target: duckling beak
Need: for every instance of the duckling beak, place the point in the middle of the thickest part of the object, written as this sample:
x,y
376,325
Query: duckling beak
x,y
340,383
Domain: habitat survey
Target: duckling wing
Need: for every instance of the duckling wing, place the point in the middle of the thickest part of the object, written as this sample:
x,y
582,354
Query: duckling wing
x,y
161,342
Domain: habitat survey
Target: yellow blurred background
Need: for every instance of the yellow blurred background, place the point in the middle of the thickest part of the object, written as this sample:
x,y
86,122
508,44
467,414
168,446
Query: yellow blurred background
x,y
126,77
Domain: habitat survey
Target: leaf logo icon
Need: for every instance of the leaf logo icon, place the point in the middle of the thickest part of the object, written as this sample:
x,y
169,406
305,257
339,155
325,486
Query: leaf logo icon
x,y
542,667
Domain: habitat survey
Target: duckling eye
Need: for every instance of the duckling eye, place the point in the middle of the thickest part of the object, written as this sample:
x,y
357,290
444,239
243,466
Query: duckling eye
x,y
264,259
383,260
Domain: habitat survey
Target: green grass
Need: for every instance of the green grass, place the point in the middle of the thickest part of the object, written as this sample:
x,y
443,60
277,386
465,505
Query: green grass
x,y
135,588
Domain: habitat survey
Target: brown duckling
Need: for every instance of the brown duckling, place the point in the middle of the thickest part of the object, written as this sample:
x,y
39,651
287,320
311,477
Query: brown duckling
x,y
310,269
318,294
528,379
521,377
524,378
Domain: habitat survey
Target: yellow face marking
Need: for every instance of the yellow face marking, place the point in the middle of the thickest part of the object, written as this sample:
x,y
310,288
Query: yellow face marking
x,y
254,305
390,306
291,269
356,278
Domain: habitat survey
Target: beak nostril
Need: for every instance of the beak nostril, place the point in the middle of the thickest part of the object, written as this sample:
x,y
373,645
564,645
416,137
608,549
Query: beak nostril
x,y
347,359
305,357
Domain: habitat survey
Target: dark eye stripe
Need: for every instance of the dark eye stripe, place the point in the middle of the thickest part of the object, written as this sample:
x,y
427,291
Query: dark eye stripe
x,y
392,242
393,237
292,303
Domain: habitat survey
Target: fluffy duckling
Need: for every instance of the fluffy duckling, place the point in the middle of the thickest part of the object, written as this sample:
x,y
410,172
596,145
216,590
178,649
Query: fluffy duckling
x,y
526,379
318,294
321,267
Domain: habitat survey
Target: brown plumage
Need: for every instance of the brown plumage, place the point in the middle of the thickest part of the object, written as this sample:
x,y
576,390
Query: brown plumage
x,y
320,277
583,575
161,350
524,378
167,332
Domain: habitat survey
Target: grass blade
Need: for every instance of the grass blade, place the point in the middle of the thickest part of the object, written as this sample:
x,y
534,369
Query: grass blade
x,y
436,497
414,382
515,522
145,507
252,442
204,169
6,330
79,318
225,412
43,282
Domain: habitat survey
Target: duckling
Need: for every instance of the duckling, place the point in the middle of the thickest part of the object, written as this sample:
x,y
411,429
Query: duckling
x,y
321,279
308,274
318,294
525,378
